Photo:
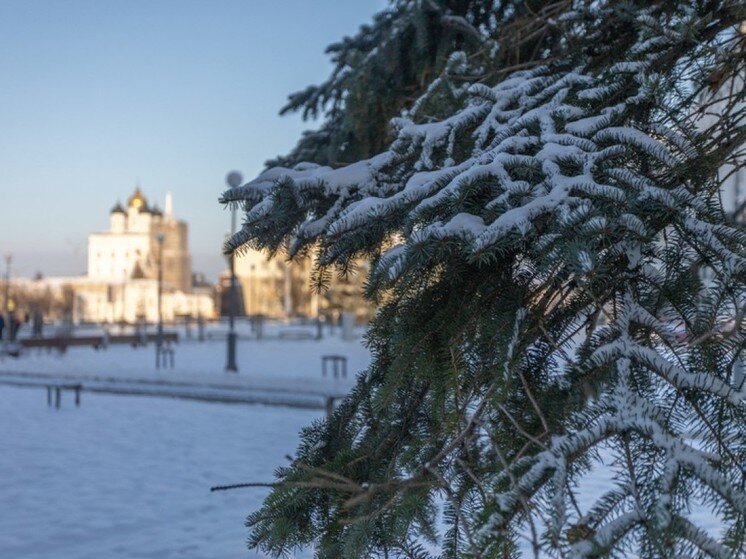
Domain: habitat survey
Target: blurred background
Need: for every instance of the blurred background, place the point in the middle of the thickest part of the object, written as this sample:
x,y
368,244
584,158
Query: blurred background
x,y
98,97
119,124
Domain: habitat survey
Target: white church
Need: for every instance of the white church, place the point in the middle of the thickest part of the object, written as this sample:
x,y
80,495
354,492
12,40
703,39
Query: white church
x,y
121,284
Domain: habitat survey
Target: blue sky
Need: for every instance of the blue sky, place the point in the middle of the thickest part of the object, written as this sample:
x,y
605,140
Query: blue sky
x,y
96,95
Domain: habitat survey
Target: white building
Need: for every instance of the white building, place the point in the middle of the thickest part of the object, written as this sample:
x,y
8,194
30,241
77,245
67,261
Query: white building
x,y
121,284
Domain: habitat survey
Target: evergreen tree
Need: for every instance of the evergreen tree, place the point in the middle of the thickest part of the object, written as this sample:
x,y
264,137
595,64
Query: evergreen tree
x,y
385,67
560,292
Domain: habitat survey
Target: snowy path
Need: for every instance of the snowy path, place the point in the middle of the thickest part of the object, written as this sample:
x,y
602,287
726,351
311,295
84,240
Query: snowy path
x,y
129,478
313,400
279,372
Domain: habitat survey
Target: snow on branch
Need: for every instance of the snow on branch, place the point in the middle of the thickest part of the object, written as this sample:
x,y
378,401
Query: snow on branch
x,y
574,176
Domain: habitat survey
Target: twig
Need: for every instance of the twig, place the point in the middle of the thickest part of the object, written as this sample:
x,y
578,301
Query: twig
x,y
242,485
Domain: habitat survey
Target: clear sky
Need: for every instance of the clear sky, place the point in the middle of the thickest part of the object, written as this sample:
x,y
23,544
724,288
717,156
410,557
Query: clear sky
x,y
96,95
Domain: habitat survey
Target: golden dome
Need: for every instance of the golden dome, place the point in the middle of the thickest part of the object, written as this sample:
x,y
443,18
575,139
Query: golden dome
x,y
137,200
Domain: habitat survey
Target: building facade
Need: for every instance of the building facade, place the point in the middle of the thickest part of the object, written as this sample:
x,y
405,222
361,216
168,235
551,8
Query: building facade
x,y
278,288
130,249
121,284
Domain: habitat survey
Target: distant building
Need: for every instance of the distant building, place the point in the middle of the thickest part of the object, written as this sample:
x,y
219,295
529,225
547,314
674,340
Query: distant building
x,y
278,288
129,249
267,286
121,284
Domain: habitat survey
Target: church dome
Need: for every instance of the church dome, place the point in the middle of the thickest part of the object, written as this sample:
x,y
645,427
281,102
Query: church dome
x,y
117,209
138,201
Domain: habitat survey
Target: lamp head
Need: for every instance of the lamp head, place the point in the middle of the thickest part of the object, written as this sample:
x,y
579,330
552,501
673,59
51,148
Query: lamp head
x,y
234,179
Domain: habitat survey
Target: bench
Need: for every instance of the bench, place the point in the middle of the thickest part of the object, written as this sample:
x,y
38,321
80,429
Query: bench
x,y
338,365
164,355
58,388
61,343
295,334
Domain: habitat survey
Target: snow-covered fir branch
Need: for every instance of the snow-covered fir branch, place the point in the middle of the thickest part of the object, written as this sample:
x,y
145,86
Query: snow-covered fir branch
x,y
555,270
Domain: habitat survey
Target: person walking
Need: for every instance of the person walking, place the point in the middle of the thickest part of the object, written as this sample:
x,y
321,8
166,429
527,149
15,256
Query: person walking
x,y
2,325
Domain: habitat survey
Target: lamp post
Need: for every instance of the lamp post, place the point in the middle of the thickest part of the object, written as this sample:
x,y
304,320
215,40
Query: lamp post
x,y
8,325
234,179
160,237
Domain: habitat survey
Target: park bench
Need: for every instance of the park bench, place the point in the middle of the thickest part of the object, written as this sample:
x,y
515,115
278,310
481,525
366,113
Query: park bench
x,y
164,355
338,364
295,334
58,388
61,343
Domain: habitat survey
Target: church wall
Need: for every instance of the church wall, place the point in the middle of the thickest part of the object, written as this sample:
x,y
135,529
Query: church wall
x,y
138,221
117,222
113,256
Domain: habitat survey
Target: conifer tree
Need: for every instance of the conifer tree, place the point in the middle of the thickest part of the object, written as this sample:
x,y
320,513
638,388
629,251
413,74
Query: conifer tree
x,y
384,68
560,292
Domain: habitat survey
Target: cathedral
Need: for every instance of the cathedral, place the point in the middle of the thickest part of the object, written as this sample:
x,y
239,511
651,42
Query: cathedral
x,y
123,267
130,249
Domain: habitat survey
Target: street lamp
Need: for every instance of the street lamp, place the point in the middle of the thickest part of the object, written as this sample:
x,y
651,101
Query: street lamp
x,y
8,325
234,179
160,237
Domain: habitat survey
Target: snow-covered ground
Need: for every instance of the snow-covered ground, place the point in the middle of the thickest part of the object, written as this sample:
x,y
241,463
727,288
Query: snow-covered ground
x,y
269,358
130,477
283,366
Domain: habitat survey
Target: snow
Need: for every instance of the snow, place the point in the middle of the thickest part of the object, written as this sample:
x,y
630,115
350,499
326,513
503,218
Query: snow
x,y
125,477
462,224
130,477
288,368
548,157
